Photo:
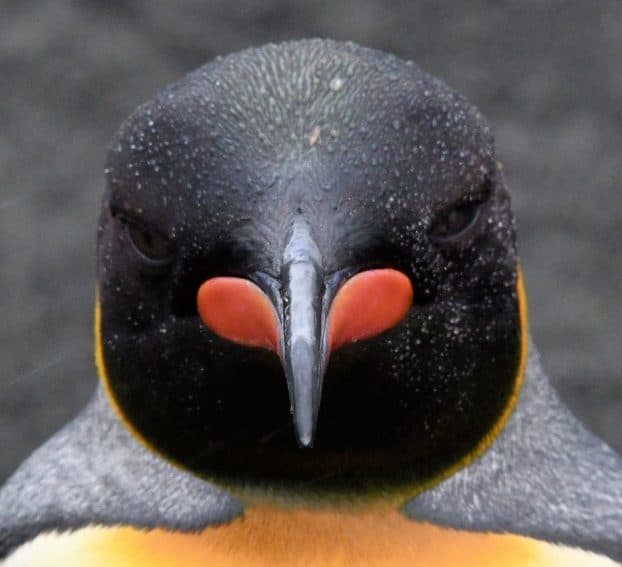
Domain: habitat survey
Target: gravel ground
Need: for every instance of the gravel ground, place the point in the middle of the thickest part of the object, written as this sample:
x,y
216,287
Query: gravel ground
x,y
547,74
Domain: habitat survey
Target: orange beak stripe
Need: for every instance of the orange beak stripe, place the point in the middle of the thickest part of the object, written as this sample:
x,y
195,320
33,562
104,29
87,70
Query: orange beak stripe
x,y
237,310
368,304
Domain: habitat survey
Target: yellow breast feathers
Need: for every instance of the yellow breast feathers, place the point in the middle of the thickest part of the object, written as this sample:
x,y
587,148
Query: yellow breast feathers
x,y
296,538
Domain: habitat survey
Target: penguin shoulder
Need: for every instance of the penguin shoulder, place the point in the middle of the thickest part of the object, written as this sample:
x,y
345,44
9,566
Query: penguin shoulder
x,y
546,477
92,472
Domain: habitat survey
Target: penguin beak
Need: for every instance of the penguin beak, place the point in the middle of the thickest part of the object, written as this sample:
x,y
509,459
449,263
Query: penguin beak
x,y
238,310
305,332
304,352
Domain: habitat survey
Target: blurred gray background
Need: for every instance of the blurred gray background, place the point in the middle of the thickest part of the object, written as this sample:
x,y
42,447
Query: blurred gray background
x,y
547,74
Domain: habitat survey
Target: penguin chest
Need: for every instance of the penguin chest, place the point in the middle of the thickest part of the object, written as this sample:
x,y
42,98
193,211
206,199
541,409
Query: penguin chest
x,y
269,537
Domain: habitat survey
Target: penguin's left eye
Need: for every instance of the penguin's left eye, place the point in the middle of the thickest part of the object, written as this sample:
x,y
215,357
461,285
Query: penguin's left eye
x,y
149,244
456,222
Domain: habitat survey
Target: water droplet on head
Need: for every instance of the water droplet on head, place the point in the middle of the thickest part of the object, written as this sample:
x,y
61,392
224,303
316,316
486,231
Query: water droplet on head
x,y
336,84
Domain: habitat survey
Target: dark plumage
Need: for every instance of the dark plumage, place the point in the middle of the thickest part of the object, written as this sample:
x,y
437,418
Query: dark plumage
x,y
296,167
358,152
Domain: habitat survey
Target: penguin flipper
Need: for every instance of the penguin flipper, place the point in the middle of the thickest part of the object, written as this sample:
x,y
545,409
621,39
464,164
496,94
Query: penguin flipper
x,y
545,477
93,472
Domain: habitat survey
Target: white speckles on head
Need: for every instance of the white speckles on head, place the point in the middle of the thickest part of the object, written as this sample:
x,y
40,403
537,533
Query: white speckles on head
x,y
315,135
336,84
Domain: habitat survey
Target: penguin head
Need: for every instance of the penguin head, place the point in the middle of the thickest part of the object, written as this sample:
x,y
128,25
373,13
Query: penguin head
x,y
307,274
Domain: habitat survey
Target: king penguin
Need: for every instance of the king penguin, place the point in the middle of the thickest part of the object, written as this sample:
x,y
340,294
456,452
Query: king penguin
x,y
312,341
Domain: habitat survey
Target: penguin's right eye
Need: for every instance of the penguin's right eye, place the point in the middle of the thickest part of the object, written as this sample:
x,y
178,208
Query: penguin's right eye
x,y
151,246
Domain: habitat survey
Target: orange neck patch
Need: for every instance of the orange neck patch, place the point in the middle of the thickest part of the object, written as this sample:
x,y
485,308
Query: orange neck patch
x,y
296,538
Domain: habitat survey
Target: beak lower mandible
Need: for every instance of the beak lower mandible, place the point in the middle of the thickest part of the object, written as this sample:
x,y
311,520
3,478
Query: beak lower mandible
x,y
303,350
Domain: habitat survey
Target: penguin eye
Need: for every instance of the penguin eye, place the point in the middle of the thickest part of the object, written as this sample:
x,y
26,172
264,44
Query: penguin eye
x,y
454,223
148,244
